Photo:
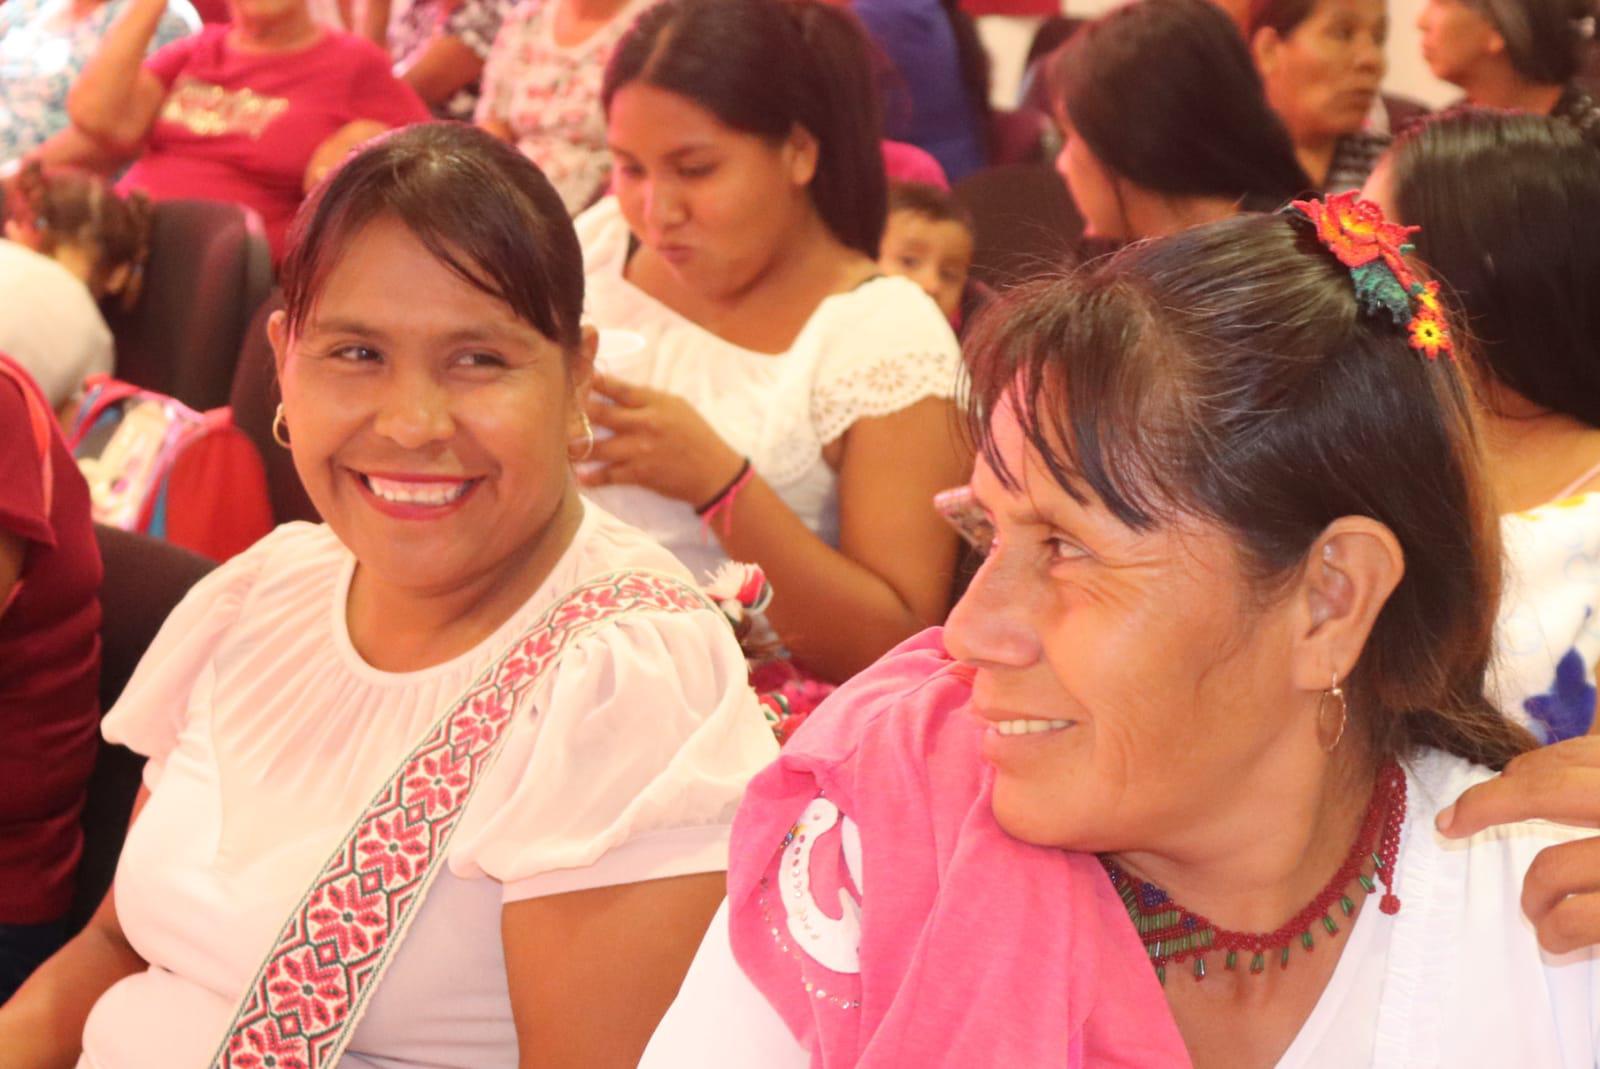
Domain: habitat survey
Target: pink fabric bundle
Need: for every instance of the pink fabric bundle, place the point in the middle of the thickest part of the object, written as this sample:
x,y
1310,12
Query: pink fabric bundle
x,y
968,947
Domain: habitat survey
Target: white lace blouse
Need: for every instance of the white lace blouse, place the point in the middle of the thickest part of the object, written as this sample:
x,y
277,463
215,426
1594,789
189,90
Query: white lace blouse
x,y
267,734
873,351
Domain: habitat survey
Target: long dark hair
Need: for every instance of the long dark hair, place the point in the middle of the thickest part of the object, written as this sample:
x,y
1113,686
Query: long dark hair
x,y
1166,95
1509,207
477,204
1226,374
763,67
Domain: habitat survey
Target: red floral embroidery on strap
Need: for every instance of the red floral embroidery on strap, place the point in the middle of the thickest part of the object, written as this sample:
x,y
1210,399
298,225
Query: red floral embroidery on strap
x,y
301,1008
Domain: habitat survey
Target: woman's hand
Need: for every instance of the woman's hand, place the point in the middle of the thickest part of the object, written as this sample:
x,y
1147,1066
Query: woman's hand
x,y
1560,783
657,441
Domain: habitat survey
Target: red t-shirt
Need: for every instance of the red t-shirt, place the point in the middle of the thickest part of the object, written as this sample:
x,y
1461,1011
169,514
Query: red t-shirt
x,y
242,126
49,671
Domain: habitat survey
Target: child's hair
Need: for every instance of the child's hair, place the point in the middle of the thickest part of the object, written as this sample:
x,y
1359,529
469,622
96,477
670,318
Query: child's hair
x,y
930,202
70,207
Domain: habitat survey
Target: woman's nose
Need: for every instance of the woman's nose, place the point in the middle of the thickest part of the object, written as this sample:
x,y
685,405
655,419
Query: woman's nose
x,y
993,624
414,412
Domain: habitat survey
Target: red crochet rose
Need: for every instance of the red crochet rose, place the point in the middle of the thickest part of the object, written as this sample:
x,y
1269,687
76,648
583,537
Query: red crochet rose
x,y
1356,232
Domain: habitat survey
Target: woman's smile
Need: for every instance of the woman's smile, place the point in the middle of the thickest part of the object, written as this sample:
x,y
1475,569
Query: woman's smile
x,y
415,497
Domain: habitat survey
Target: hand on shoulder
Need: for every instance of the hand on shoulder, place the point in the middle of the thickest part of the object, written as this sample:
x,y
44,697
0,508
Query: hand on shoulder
x,y
1559,783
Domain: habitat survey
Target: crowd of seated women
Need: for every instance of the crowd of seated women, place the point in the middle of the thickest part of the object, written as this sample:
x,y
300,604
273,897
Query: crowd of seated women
x,y
1259,733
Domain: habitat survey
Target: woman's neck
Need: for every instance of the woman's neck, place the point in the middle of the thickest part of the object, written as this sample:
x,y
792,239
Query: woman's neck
x,y
287,34
766,313
1500,86
578,20
1153,215
1250,872
1316,157
1533,455
397,628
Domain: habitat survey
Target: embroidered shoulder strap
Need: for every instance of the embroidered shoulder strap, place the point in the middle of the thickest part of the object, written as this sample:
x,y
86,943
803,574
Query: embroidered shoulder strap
x,y
302,1007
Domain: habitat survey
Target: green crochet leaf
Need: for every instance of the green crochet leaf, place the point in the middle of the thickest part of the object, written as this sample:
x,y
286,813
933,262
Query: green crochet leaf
x,y
1378,292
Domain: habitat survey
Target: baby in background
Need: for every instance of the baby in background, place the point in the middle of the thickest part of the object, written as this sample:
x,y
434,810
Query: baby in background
x,y
928,239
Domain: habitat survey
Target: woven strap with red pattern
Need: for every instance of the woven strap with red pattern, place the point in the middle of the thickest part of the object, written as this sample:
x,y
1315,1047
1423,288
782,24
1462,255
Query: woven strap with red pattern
x,y
302,1007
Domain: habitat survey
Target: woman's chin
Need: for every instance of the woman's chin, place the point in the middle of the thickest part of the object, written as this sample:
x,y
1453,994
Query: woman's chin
x,y
1028,818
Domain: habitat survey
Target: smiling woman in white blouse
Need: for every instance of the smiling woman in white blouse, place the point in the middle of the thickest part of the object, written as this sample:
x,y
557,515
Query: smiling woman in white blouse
x,y
448,780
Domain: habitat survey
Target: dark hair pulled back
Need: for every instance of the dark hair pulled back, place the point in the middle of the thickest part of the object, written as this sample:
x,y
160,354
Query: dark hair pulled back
x,y
1166,95
477,204
1226,375
1509,207
63,206
764,67
1545,39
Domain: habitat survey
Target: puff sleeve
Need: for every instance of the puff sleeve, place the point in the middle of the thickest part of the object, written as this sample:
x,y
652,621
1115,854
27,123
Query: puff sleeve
x,y
154,706
626,765
886,347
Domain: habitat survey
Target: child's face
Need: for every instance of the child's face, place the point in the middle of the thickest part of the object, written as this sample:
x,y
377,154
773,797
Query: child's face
x,y
934,254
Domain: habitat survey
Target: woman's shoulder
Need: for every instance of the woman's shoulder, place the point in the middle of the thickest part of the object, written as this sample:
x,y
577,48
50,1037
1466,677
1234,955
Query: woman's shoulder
x,y
886,308
287,565
1435,780
605,544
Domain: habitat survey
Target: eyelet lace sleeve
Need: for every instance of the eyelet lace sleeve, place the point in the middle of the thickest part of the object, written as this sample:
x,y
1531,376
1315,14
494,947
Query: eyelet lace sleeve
x,y
897,351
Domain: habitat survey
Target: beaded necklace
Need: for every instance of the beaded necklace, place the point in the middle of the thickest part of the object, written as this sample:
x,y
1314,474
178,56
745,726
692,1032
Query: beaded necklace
x,y
1172,934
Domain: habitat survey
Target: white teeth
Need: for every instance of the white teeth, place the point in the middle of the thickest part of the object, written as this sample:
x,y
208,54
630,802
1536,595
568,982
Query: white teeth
x,y
1030,726
409,493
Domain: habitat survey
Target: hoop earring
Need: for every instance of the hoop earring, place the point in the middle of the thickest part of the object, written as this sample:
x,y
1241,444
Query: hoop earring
x,y
1337,694
588,439
280,427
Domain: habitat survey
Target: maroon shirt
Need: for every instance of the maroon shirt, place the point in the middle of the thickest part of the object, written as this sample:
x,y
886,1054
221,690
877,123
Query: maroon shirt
x,y
49,670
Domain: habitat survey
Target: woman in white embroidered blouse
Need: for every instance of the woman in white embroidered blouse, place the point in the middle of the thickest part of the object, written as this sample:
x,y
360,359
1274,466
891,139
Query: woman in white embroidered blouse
x,y
433,374
740,246
1231,637
1532,294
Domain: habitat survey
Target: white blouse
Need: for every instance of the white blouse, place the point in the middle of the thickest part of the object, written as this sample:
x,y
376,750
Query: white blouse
x,y
267,734
1455,980
873,351
1547,637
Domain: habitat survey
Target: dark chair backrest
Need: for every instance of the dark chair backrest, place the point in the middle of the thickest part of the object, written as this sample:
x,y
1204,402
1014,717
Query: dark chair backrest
x,y
209,268
1026,222
255,399
144,579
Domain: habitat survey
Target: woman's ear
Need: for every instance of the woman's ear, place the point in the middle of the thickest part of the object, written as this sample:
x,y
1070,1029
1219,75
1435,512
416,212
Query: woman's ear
x,y
278,335
1349,575
1265,48
800,152
580,367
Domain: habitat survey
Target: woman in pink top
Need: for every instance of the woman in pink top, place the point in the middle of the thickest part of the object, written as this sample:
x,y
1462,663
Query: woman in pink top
x,y
253,111
1219,674
332,691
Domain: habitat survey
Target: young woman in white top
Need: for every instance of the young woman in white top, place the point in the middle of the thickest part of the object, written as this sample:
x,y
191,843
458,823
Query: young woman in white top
x,y
433,374
1509,207
798,401
1230,638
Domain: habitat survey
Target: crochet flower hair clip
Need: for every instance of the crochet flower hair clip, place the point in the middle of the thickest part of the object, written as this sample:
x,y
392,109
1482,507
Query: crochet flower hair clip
x,y
1374,250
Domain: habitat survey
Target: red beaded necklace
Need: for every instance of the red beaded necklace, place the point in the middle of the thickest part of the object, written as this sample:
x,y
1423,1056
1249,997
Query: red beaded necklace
x,y
1172,934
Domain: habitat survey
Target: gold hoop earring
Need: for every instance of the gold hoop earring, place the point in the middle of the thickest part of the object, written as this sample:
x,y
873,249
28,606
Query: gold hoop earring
x,y
1337,694
280,427
588,439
